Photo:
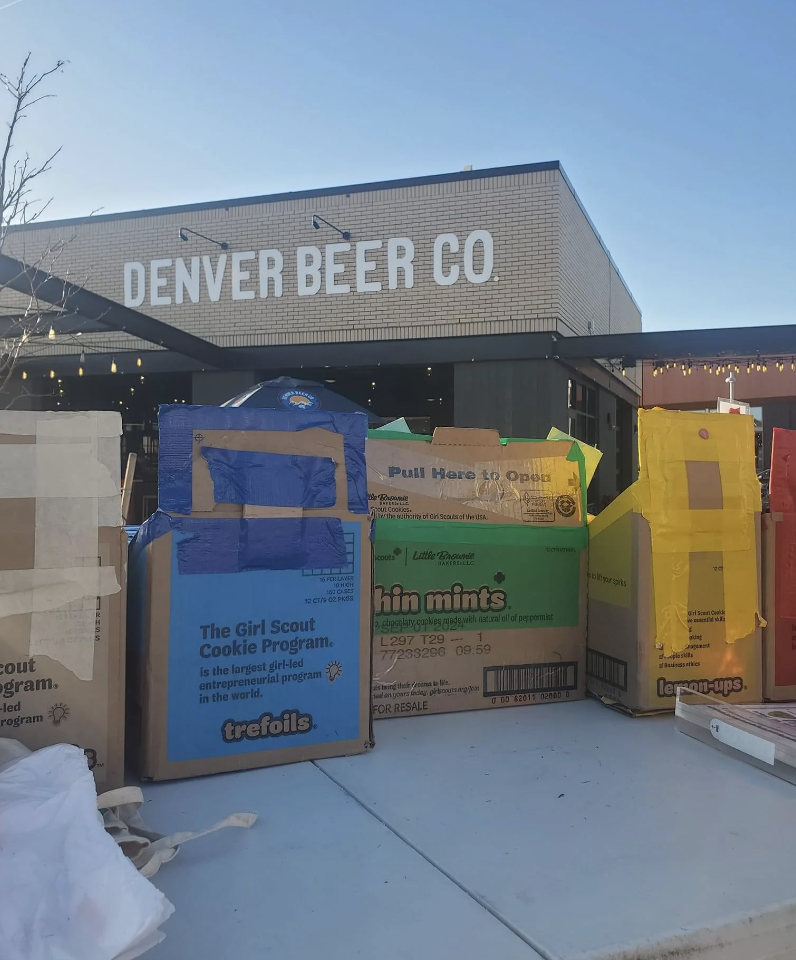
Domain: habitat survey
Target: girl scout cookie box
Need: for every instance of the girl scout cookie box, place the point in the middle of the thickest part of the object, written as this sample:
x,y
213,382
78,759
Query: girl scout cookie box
x,y
674,568
251,634
63,567
484,605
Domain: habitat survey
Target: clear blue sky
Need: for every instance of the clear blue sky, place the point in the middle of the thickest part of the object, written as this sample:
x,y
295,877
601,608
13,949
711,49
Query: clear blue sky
x,y
675,119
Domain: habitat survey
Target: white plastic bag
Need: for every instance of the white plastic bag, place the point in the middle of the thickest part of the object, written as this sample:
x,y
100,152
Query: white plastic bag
x,y
67,891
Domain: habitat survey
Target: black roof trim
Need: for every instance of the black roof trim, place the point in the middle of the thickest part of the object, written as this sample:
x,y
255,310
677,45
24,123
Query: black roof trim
x,y
302,195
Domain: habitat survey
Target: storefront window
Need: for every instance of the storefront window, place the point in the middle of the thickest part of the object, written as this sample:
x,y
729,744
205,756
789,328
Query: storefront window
x,y
582,412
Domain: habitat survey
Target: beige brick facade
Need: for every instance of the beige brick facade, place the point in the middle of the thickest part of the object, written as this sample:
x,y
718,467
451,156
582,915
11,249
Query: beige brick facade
x,y
550,270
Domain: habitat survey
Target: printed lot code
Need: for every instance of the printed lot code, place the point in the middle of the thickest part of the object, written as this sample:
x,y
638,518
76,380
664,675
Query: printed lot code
x,y
530,678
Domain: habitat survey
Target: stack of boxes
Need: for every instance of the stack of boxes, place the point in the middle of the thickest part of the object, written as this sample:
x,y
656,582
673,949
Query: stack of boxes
x,y
251,593
63,564
479,596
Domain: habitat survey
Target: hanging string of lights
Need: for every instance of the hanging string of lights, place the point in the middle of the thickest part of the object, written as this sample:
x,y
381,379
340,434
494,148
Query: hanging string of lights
x,y
755,364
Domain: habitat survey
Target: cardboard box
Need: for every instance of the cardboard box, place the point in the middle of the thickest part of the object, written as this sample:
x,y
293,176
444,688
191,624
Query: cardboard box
x,y
63,564
689,531
251,634
779,572
480,600
473,476
469,616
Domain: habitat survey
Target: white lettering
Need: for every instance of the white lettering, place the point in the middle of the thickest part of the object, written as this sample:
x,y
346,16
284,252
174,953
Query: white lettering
x,y
241,276
364,266
333,268
270,268
213,281
445,240
403,262
308,270
186,280
156,282
485,239
134,270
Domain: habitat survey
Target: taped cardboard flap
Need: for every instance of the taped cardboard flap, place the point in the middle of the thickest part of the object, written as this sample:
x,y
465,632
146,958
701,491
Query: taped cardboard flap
x,y
591,455
528,481
185,429
699,509
465,437
72,472
269,469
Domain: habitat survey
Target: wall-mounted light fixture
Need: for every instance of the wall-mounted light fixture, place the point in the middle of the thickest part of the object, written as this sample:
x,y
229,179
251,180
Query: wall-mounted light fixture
x,y
184,231
317,221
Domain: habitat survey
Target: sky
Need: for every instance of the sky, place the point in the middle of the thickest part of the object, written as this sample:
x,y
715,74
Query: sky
x,y
675,120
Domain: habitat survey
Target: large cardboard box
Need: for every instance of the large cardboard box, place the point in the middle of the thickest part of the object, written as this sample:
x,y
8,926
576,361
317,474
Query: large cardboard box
x,y
63,563
779,571
674,568
251,633
477,610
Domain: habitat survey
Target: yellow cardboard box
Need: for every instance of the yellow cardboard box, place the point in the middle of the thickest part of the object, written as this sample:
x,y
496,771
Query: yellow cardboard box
x,y
674,568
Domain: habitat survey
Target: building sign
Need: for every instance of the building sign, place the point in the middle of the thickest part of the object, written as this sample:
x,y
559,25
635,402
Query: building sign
x,y
258,274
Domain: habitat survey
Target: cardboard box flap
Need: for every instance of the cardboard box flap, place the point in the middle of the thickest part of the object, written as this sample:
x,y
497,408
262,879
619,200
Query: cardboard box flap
x,y
465,437
298,441
460,477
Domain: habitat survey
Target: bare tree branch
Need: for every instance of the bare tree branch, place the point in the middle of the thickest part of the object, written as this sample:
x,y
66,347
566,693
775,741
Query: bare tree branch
x,y
19,176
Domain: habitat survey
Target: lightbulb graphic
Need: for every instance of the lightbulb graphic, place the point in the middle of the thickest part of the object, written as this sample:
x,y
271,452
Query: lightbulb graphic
x,y
333,671
58,712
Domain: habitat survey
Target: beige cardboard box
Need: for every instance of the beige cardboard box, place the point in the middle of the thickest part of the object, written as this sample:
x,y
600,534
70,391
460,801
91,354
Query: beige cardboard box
x,y
472,476
63,586
485,605
686,463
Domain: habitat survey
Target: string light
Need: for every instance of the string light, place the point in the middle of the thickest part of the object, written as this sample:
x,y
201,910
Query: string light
x,y
51,334
113,368
80,371
52,374
138,362
24,374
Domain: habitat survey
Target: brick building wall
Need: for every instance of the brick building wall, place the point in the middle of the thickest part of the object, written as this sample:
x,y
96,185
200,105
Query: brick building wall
x,y
550,270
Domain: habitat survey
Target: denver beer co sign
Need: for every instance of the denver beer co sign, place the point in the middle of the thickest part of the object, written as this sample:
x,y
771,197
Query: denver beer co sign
x,y
259,273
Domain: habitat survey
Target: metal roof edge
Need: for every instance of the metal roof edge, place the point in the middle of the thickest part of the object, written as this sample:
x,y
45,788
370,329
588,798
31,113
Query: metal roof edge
x,y
300,195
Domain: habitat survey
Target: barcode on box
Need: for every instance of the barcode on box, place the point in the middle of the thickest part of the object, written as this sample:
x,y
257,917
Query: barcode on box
x,y
530,678
611,671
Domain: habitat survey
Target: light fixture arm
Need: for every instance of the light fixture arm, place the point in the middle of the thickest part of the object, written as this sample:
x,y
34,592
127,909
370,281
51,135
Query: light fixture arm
x,y
184,231
345,234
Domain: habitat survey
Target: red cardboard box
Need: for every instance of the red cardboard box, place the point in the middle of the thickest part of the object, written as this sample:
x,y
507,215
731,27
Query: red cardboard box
x,y
779,571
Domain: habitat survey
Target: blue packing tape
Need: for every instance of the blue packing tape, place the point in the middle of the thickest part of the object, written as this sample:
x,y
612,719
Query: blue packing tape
x,y
217,545
181,426
270,479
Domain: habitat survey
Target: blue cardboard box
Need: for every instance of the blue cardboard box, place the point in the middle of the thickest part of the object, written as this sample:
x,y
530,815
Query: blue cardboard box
x,y
250,635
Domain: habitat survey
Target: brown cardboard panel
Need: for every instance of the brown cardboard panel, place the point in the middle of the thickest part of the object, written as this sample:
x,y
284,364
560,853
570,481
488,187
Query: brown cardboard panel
x,y
314,442
18,523
704,485
43,703
469,476
443,672
621,634
151,688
